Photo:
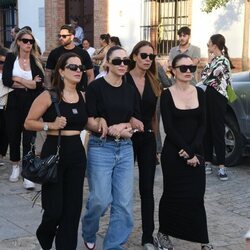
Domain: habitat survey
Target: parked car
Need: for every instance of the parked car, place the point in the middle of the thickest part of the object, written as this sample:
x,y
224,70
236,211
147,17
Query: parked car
x,y
237,124
237,127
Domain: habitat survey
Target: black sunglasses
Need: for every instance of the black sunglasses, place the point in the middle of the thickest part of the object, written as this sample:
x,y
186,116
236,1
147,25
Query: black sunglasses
x,y
63,36
145,55
75,67
184,68
118,61
1,62
25,40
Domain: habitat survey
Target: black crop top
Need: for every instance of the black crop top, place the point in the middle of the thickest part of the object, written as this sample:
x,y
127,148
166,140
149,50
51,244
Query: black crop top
x,y
75,114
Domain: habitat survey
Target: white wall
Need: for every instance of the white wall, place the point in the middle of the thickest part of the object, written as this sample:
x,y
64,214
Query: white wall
x,y
28,15
124,21
227,21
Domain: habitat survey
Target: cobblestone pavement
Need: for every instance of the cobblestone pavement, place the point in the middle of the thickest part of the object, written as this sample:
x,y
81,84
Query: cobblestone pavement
x,y
227,204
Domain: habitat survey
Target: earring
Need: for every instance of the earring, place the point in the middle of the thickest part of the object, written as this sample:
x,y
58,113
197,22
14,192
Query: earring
x,y
62,78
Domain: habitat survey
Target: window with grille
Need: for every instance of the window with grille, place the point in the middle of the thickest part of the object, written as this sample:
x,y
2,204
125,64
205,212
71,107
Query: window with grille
x,y
161,20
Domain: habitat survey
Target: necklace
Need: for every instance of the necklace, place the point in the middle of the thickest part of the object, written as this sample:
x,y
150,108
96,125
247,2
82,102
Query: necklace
x,y
116,84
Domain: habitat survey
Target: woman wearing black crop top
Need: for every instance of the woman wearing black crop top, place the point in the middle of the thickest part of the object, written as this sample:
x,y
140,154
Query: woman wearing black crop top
x,y
181,211
142,75
62,201
110,153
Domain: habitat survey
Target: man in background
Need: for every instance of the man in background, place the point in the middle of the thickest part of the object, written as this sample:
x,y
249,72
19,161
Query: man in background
x,y
66,38
13,33
79,34
185,47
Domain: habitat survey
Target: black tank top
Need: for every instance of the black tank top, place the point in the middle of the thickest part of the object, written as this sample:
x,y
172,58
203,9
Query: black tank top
x,y
75,114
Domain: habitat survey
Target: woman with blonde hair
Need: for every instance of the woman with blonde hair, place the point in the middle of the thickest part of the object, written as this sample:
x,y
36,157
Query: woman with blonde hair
x,y
24,73
143,77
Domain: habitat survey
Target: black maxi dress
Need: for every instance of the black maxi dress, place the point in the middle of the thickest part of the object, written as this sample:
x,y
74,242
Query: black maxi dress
x,y
181,211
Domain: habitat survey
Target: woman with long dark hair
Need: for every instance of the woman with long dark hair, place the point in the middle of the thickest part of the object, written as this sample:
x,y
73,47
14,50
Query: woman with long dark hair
x,y
62,201
217,76
24,73
143,77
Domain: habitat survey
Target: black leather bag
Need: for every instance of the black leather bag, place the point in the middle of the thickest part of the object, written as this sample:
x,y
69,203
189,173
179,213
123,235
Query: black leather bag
x,y
42,170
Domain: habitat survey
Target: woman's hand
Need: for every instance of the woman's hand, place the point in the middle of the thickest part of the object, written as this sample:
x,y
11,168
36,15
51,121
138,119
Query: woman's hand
x,y
193,162
210,57
37,78
116,129
59,123
136,124
102,127
184,154
126,133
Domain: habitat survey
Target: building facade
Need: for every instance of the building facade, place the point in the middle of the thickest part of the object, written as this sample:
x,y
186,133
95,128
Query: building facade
x,y
153,20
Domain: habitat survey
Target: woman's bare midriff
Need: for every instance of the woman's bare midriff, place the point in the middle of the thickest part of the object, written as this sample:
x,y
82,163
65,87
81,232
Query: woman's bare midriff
x,y
64,132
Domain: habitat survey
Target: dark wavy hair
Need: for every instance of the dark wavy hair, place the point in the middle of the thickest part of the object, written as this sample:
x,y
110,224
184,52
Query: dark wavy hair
x,y
220,41
58,83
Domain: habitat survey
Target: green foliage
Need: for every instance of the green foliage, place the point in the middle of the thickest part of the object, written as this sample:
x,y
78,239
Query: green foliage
x,y
209,5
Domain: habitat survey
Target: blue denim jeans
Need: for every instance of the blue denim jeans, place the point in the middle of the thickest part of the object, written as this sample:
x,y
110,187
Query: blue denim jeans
x,y
110,171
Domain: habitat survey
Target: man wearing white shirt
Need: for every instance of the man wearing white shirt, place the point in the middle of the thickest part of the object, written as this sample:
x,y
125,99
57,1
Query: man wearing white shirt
x,y
86,46
79,34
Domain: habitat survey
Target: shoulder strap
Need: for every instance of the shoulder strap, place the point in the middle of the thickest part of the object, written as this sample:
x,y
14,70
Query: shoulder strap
x,y
55,101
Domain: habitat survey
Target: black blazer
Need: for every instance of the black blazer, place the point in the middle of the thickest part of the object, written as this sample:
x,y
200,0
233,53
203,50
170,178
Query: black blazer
x,y
8,68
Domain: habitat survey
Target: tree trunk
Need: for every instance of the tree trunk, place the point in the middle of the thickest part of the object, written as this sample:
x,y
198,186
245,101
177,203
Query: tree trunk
x,y
245,49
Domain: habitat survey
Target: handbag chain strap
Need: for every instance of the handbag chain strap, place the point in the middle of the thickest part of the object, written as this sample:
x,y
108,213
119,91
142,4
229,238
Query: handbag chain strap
x,y
54,99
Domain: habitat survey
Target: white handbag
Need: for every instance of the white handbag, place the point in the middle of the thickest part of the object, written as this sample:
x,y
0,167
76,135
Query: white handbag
x,y
4,91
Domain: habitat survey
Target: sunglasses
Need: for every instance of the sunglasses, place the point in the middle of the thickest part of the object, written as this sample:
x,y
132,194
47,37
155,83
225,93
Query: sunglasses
x,y
184,68
63,36
75,67
1,62
25,40
145,55
118,61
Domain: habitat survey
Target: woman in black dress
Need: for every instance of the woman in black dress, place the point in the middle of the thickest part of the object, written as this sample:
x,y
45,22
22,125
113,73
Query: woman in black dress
x,y
181,212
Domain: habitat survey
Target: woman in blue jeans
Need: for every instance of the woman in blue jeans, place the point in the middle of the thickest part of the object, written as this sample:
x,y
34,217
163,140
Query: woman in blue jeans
x,y
143,77
111,104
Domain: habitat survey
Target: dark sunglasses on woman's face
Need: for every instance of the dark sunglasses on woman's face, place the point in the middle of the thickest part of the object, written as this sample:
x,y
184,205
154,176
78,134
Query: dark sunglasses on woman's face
x,y
118,61
184,68
145,55
25,40
75,67
1,62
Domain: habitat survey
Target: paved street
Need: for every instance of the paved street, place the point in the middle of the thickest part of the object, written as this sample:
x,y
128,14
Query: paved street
x,y
227,204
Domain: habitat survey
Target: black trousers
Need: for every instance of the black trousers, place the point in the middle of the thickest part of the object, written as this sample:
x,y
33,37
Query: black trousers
x,y
3,134
216,106
144,145
62,201
18,105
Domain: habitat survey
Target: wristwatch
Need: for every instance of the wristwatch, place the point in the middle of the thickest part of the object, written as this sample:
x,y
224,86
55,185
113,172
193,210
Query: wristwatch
x,y
45,127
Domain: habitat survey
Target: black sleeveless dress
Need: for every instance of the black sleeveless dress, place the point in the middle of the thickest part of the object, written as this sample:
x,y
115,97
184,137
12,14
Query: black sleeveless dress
x,y
181,212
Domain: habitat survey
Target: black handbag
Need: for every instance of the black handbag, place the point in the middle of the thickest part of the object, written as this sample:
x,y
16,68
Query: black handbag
x,y
43,170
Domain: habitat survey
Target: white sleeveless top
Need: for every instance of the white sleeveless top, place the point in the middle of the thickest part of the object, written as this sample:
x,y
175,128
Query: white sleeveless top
x,y
17,71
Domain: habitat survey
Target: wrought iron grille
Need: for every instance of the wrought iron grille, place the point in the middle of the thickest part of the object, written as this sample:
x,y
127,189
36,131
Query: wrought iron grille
x,y
9,20
161,20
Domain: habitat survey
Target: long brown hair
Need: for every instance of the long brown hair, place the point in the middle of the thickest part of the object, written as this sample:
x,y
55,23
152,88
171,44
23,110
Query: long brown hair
x,y
151,73
34,51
